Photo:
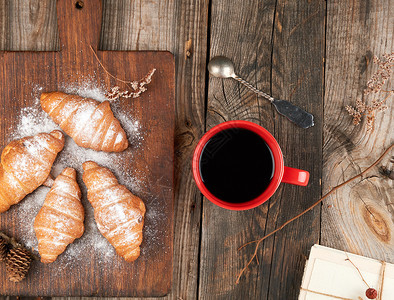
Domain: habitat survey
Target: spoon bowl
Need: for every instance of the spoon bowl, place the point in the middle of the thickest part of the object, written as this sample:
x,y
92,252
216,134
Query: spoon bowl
x,y
221,67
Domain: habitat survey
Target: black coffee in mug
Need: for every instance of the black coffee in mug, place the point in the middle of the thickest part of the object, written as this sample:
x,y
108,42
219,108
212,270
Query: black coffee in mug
x,y
236,165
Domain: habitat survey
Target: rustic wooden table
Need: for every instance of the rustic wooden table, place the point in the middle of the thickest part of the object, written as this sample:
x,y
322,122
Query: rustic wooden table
x,y
316,54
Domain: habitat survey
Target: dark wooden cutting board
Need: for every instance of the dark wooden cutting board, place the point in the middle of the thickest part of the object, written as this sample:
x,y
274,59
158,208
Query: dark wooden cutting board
x,y
151,274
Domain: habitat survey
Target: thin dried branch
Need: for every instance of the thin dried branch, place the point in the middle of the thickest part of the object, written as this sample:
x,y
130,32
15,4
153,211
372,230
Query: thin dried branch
x,y
258,242
136,87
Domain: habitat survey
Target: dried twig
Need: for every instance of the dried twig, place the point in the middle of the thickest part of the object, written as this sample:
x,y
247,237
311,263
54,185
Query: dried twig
x,y
136,87
374,86
258,242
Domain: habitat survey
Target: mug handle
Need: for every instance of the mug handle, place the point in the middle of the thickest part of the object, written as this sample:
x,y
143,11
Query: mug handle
x,y
295,176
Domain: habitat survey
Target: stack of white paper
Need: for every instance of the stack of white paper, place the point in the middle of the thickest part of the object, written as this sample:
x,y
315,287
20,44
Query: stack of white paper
x,y
328,275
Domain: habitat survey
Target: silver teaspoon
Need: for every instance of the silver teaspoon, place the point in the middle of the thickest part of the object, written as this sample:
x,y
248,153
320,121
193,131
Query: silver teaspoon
x,y
223,67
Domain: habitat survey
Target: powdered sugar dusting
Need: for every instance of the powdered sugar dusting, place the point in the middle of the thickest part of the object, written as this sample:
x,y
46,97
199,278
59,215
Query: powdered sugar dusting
x,y
33,120
87,89
27,210
132,128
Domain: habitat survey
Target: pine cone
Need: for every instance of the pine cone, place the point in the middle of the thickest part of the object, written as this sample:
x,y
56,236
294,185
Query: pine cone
x,y
4,247
18,263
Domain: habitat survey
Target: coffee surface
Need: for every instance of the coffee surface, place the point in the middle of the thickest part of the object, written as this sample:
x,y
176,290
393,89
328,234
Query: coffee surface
x,y
236,165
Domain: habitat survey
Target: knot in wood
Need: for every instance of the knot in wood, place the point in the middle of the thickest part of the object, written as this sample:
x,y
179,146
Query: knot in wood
x,y
376,223
79,4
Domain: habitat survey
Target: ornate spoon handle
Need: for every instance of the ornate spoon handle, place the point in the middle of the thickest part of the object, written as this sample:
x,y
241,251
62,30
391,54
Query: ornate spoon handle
x,y
292,112
258,92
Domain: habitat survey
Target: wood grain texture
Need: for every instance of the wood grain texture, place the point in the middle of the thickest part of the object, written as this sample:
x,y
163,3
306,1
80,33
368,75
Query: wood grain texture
x,y
360,217
151,274
28,25
188,34
139,25
190,52
279,47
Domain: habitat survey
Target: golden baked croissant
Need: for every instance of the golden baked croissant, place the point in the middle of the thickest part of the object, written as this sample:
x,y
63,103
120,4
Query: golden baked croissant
x,y
118,213
90,123
60,220
25,165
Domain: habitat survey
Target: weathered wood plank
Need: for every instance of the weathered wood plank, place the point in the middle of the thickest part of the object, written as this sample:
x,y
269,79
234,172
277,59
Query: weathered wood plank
x,y
28,25
3,24
279,47
186,35
190,51
235,26
360,217
298,75
139,25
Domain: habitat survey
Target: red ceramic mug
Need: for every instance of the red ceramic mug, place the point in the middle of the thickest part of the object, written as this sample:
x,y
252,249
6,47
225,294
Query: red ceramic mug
x,y
281,172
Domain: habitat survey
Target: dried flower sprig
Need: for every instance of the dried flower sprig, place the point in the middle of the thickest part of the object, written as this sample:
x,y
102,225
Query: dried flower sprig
x,y
369,110
374,86
380,77
136,87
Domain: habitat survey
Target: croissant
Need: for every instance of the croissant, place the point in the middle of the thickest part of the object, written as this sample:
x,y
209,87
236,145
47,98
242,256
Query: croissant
x,y
90,123
118,213
25,165
60,220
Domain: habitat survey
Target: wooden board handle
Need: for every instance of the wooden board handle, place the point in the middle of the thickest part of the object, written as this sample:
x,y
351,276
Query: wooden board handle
x,y
79,23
